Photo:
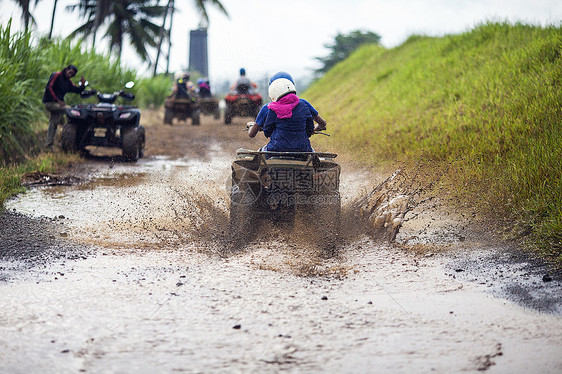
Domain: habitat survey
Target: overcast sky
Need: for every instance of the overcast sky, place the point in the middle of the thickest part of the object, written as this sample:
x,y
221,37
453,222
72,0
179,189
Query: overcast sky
x,y
266,36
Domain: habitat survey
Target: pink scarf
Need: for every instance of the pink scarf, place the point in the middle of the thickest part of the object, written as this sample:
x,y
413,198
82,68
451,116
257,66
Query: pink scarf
x,y
284,106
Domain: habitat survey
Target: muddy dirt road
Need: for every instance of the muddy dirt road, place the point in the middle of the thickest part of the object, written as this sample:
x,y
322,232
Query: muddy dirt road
x,y
131,271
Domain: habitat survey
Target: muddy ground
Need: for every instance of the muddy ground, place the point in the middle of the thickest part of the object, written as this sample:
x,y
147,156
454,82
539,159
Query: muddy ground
x,y
131,268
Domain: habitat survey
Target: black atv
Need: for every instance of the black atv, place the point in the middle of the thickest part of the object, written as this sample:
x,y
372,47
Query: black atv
x,y
182,108
105,125
275,185
210,106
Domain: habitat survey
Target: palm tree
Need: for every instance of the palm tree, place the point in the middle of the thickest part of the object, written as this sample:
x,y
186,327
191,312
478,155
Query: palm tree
x,y
53,19
26,12
131,18
200,7
95,12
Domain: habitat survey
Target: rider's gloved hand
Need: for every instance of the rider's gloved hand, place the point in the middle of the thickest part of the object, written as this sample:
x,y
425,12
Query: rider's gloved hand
x,y
319,128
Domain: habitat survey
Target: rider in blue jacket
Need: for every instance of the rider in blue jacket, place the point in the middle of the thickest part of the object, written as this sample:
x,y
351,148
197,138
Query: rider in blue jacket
x,y
287,121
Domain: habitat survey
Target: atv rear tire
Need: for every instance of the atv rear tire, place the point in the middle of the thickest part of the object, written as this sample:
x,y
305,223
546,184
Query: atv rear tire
x,y
327,216
196,117
69,138
228,114
168,116
132,143
241,225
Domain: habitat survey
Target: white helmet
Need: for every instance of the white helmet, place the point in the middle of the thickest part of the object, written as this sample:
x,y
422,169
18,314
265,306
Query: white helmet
x,y
281,87
179,74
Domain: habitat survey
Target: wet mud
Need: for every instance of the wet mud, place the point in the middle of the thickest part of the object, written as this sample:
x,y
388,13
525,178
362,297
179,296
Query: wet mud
x,y
132,268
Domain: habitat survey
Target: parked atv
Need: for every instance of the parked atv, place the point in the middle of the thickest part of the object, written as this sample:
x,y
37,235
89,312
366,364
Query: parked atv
x,y
244,101
275,185
210,106
182,108
105,125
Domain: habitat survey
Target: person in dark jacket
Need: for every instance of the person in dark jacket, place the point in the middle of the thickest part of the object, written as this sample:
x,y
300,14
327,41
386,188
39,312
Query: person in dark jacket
x,y
183,87
58,85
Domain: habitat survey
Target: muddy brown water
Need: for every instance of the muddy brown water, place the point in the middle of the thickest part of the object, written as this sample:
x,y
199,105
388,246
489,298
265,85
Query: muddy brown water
x,y
158,287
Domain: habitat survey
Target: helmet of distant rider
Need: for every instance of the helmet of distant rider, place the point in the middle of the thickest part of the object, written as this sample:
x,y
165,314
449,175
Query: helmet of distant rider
x,y
281,87
242,71
281,74
179,74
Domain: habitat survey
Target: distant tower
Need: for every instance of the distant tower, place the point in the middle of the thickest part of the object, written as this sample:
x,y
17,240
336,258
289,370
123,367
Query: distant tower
x,y
198,59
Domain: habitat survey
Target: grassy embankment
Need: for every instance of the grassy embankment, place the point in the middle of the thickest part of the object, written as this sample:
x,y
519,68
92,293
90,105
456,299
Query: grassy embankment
x,y
25,66
485,105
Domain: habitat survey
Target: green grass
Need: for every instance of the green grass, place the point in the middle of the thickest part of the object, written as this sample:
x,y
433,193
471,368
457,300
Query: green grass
x,y
11,175
152,92
20,106
485,104
25,66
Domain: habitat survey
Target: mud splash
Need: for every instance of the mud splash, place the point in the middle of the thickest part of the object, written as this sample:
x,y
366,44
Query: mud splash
x,y
160,203
161,288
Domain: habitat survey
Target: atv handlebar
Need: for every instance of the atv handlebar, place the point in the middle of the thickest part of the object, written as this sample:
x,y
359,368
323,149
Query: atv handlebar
x,y
321,133
107,97
88,93
121,93
126,95
250,124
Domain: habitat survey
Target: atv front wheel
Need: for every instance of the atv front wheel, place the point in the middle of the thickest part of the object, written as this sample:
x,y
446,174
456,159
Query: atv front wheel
x,y
228,114
142,138
132,143
69,138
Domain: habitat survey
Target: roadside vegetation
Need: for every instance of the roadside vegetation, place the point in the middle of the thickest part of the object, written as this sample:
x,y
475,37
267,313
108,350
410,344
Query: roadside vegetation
x,y
25,66
485,106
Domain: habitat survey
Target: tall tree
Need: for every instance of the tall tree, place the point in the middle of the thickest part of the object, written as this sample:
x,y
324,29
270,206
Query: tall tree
x,y
124,18
103,9
95,13
132,18
200,7
343,46
53,19
26,15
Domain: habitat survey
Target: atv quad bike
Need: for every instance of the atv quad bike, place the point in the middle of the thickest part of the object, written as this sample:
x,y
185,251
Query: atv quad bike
x,y
242,102
105,125
210,106
274,185
182,108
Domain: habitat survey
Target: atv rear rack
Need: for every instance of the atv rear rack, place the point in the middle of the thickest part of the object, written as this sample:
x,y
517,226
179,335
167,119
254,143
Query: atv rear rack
x,y
265,156
243,151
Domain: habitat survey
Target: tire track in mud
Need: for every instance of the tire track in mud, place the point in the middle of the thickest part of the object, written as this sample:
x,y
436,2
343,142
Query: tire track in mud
x,y
176,198
172,292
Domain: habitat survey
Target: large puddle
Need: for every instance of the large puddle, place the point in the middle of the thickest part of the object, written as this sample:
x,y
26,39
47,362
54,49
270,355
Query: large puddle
x,y
161,295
